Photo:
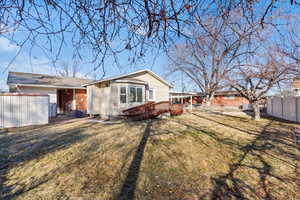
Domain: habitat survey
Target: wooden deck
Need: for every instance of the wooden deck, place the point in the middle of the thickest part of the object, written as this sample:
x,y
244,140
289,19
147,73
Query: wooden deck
x,y
152,110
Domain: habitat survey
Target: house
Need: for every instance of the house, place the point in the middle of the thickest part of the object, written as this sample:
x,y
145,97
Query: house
x,y
185,97
296,86
66,94
109,97
228,98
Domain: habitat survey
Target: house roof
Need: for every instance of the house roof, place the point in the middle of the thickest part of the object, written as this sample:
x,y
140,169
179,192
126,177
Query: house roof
x,y
226,92
44,80
182,93
130,74
217,93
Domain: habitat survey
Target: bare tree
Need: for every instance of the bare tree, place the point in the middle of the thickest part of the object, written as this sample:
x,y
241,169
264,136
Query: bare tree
x,y
274,63
259,73
67,70
109,27
209,57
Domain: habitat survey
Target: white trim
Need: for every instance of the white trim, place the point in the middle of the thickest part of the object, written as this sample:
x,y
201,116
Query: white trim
x,y
154,94
180,96
119,93
128,96
46,86
182,93
129,74
74,99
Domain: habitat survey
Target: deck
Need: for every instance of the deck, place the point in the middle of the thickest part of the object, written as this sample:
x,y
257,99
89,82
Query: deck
x,y
151,110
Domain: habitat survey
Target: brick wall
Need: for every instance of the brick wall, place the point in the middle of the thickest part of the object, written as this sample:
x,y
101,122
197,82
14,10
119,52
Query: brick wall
x,y
229,101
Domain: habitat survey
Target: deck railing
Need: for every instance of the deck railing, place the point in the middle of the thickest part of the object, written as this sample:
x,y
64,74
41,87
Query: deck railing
x,y
152,109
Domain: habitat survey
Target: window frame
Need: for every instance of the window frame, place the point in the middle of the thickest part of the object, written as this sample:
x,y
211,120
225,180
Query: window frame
x,y
128,93
124,94
154,95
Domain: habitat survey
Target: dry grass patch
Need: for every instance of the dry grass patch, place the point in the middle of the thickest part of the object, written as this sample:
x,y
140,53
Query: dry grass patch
x,y
194,156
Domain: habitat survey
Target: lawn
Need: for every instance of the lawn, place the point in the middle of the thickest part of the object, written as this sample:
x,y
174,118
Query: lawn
x,y
197,155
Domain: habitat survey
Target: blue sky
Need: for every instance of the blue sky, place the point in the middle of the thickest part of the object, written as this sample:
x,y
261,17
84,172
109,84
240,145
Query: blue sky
x,y
37,62
34,60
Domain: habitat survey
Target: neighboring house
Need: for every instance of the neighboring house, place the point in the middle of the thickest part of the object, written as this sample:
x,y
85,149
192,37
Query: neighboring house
x,y
108,97
229,98
185,97
221,98
66,94
296,86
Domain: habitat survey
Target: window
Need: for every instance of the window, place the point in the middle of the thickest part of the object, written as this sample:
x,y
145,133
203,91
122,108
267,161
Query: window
x,y
151,94
229,97
135,94
139,95
123,95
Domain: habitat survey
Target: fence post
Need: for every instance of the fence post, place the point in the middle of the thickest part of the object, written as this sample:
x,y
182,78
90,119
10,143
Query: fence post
x,y
281,107
271,106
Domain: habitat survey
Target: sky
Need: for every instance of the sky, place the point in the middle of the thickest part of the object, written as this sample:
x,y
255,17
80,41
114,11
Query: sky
x,y
37,62
34,60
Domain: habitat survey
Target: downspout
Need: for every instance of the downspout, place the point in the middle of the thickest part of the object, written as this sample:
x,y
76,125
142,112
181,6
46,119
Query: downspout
x,y
74,99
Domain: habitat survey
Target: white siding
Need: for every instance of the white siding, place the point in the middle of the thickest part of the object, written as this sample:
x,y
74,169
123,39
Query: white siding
x,y
116,106
104,98
17,111
161,90
99,99
52,92
94,95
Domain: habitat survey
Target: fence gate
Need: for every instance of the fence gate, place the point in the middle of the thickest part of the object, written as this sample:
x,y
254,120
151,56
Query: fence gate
x,y
17,110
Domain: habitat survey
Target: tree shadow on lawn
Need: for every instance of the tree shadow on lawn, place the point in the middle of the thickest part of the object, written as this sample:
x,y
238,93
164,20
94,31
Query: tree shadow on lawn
x,y
277,136
128,188
129,184
229,186
31,145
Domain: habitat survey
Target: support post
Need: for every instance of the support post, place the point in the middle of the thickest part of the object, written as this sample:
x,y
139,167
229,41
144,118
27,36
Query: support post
x,y
191,102
74,99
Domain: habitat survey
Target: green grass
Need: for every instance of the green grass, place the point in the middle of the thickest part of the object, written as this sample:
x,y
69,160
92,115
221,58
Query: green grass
x,y
193,156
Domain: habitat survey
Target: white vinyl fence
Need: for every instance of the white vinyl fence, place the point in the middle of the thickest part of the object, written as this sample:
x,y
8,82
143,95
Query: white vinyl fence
x,y
285,108
17,110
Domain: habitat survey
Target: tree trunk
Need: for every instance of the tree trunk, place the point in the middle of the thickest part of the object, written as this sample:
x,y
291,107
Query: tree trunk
x,y
207,100
256,110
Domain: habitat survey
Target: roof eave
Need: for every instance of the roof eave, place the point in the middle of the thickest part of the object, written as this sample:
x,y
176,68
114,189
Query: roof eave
x,y
129,74
45,86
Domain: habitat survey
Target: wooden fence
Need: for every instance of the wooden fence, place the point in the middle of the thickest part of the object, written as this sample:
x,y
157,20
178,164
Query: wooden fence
x,y
17,110
287,108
